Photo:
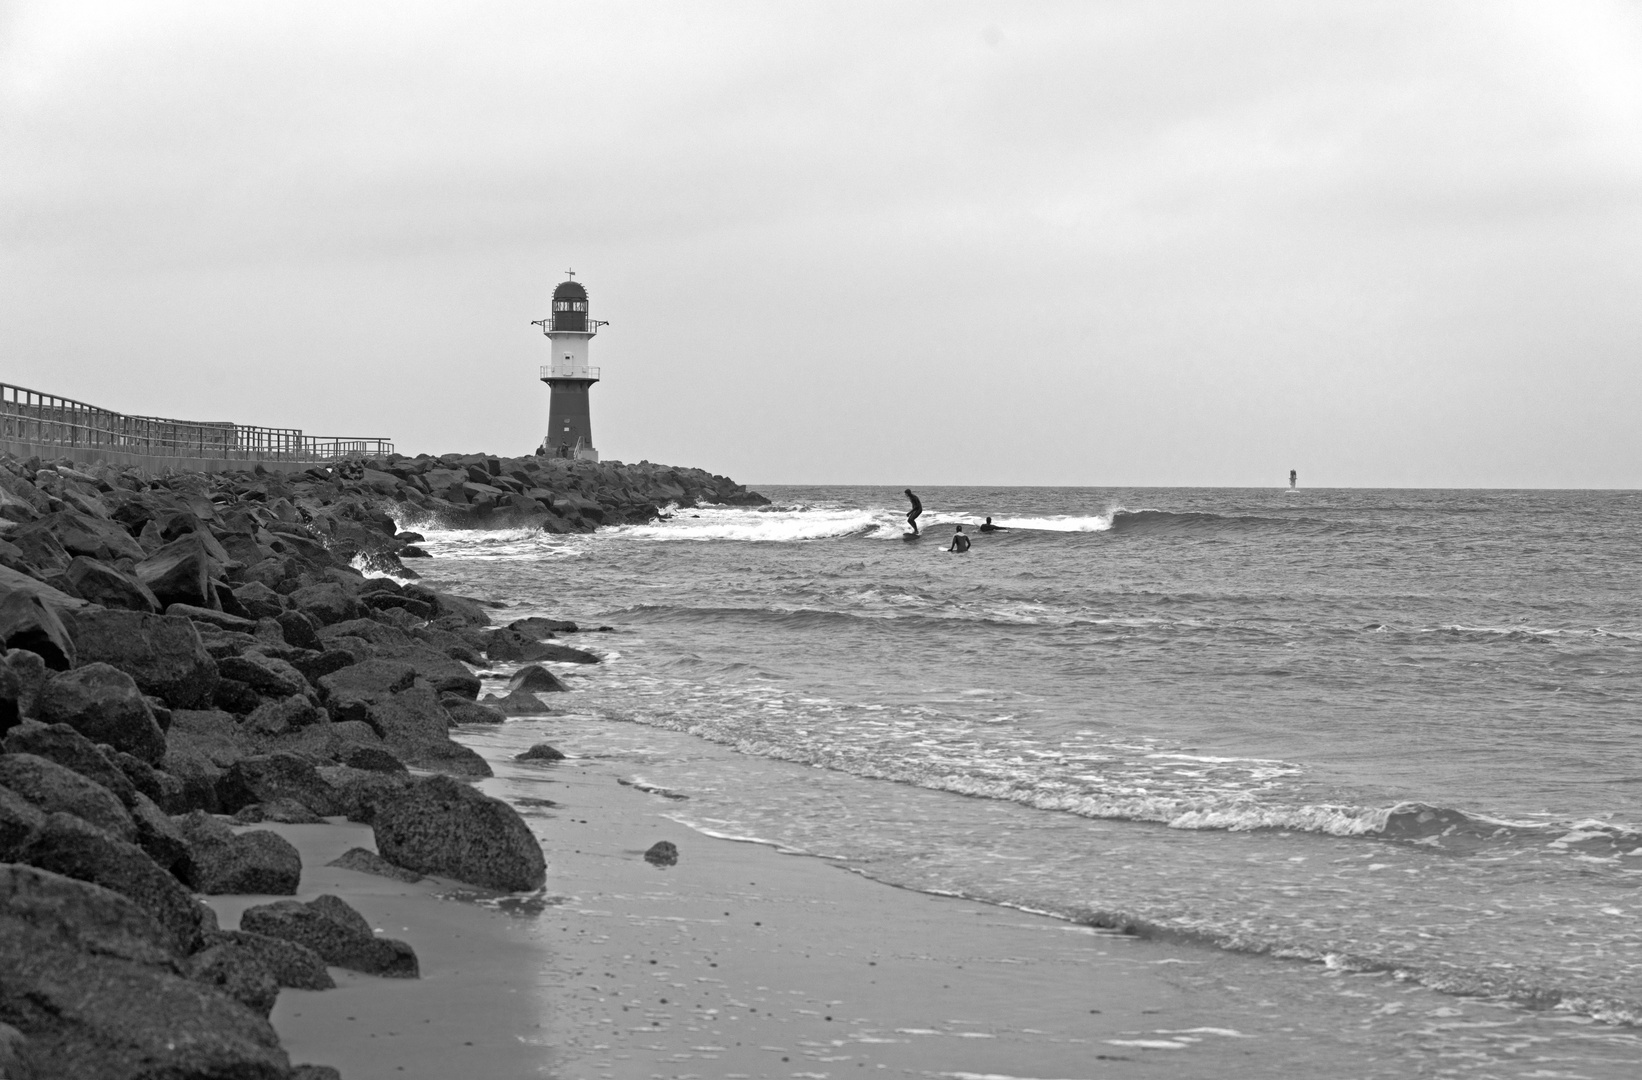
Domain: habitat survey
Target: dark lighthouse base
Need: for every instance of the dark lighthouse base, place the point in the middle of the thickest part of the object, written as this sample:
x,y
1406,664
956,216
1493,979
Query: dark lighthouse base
x,y
569,420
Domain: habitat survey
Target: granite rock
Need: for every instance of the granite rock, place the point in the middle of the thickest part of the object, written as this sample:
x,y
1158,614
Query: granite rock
x,y
439,826
105,705
334,930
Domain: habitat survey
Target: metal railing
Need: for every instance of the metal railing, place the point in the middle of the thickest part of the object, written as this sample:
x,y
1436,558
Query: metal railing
x,y
553,324
558,369
46,420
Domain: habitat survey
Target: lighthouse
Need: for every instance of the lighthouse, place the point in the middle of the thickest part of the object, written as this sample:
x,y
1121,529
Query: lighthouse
x,y
569,329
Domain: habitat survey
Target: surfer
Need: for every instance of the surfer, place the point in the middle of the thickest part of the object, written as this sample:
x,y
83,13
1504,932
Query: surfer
x,y
987,526
1294,475
960,542
912,515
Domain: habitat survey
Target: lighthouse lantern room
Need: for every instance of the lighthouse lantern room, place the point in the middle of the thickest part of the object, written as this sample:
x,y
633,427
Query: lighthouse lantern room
x,y
568,330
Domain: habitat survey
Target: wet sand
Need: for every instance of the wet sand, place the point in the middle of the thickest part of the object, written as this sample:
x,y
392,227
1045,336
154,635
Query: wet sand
x,y
740,961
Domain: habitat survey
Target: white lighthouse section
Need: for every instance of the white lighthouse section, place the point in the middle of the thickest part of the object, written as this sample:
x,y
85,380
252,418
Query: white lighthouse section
x,y
569,355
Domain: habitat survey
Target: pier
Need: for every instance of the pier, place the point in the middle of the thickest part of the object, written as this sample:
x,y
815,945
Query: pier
x,y
33,424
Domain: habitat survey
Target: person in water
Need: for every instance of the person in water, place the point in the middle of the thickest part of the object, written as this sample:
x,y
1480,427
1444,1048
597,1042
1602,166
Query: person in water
x,y
960,542
1294,474
989,527
912,515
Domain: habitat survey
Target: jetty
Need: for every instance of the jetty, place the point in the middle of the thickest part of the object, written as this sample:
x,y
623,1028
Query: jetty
x,y
210,637
35,424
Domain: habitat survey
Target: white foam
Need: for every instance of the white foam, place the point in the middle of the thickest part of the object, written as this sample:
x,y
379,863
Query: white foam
x,y
1061,522
984,1076
761,525
1148,1044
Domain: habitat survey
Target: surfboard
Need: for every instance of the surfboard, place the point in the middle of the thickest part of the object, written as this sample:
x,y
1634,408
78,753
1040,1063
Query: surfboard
x,y
910,537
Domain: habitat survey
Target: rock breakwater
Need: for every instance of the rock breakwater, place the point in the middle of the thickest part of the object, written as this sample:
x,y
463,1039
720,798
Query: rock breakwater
x,y
182,648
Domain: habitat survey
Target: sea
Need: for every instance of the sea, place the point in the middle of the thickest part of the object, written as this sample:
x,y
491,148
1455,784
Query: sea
x,y
1375,754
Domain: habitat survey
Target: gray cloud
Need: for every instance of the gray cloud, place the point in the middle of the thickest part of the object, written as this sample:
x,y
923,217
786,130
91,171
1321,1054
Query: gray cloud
x,y
924,243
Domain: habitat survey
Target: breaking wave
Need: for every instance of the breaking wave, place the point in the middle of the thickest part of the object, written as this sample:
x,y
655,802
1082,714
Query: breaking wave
x,y
761,525
1443,828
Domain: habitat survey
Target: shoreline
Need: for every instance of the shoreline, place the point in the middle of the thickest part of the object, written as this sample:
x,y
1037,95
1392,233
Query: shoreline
x,y
741,960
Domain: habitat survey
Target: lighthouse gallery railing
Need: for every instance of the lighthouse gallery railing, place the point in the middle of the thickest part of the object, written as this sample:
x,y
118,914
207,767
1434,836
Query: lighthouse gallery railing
x,y
46,420
558,369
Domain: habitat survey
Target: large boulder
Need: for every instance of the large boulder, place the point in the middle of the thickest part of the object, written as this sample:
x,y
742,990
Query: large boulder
x,y
316,665
363,755
536,627
509,645
27,623
40,547
462,711
350,691
516,703
444,674
102,584
335,931
68,845
23,676
55,789
68,748
160,839
86,1014
105,705
564,654
164,789
360,791
284,715
265,778
268,676
18,819
416,727
210,734
90,537
327,603
181,572
237,972
260,601
300,628
440,826
59,602
200,745
23,501
375,632
85,916
464,608
292,965
162,652
364,861
535,679
254,862
403,711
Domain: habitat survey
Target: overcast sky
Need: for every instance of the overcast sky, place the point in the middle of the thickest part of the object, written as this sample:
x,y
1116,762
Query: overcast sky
x,y
1385,244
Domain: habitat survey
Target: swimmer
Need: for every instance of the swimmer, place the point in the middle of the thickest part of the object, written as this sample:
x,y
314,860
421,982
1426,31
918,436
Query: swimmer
x,y
989,527
960,542
912,515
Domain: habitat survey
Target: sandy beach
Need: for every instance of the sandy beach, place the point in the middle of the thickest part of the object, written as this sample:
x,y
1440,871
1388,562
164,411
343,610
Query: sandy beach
x,y
743,961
